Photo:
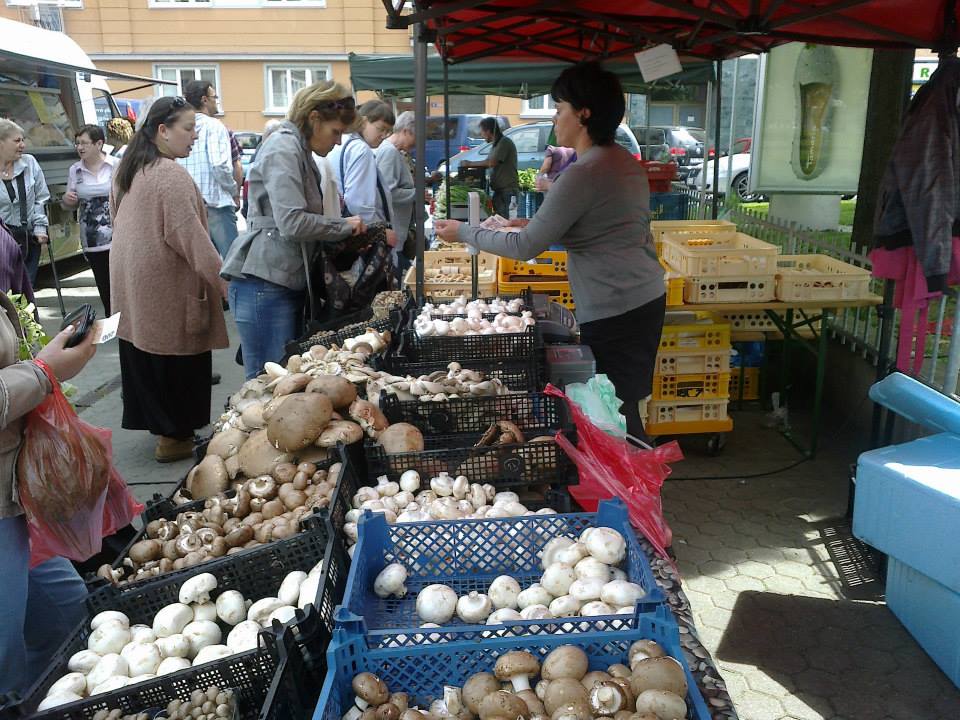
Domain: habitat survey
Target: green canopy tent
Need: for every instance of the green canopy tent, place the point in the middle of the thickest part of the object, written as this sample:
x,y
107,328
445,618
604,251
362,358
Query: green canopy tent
x,y
394,75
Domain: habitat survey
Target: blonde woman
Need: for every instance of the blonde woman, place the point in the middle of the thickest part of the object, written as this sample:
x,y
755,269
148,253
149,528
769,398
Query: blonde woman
x,y
266,264
22,196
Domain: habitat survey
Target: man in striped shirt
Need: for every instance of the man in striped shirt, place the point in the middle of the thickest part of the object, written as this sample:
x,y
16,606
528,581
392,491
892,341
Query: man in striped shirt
x,y
210,164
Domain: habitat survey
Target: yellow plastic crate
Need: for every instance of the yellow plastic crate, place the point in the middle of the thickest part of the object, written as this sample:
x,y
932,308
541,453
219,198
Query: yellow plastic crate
x,y
673,284
687,417
435,287
751,383
460,257
760,321
693,362
551,264
557,291
820,277
741,289
719,254
700,386
695,336
659,227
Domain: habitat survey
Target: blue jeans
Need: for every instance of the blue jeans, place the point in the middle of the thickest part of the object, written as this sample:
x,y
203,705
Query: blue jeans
x,y
40,607
223,227
268,316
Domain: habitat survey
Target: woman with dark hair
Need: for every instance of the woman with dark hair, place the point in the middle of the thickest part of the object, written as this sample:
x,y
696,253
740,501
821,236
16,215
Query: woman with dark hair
x,y
504,181
88,189
599,211
165,280
266,265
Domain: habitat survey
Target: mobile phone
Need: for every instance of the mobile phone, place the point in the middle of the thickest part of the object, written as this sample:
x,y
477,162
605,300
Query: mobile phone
x,y
82,318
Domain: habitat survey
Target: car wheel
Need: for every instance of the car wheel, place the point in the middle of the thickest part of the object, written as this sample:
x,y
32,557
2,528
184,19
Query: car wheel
x,y
741,185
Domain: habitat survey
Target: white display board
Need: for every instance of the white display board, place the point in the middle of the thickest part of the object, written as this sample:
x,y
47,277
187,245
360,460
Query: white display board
x,y
809,119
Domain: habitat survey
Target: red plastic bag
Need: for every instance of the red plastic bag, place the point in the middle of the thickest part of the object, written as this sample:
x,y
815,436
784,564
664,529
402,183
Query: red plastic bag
x,y
612,467
67,484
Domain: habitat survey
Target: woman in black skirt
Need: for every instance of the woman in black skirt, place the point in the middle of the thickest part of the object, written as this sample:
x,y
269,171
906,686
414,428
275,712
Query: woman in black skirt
x,y
599,211
165,282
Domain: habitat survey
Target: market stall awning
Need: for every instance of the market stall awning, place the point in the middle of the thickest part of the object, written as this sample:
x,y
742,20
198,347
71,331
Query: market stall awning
x,y
394,75
572,30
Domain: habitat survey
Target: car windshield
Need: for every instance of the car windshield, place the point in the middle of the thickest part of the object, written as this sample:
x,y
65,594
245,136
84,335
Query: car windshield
x,y
435,128
247,141
473,128
625,140
687,136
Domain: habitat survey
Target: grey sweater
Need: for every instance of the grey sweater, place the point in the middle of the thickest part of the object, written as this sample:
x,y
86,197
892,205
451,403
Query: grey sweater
x,y
599,211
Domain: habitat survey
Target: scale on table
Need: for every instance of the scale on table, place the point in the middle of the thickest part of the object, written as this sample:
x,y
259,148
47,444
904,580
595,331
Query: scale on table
x,y
557,323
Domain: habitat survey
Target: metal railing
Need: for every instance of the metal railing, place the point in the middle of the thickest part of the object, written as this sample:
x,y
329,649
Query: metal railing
x,y
856,328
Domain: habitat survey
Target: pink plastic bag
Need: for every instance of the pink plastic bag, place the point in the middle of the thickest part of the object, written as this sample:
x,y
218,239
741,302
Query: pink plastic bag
x,y
67,484
612,467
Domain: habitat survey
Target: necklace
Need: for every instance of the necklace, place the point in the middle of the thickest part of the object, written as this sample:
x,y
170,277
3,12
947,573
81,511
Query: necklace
x,y
7,173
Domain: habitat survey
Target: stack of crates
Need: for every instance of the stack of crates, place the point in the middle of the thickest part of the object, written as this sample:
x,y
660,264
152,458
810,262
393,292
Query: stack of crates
x,y
723,267
660,227
691,383
545,274
745,364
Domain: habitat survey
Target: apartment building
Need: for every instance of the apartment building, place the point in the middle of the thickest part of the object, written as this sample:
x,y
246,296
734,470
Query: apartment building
x,y
257,53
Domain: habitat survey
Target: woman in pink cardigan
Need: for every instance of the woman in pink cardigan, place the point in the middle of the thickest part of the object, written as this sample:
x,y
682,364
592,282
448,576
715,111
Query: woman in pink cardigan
x,y
165,280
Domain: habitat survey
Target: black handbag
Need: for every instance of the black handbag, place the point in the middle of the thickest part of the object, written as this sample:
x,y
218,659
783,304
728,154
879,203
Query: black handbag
x,y
21,233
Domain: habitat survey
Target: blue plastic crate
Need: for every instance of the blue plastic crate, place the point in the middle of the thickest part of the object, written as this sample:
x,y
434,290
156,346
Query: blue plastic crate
x,y
422,671
668,206
468,555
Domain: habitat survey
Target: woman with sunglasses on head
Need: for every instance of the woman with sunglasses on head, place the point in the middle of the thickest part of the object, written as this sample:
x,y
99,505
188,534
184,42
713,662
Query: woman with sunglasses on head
x,y
286,224
23,196
165,280
599,211
88,189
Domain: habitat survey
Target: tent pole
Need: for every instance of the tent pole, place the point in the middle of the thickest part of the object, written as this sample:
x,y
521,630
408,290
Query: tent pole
x,y
420,103
707,125
731,134
718,89
446,133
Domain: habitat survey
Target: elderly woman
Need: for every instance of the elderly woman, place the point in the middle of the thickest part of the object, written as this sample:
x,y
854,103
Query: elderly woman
x,y
23,196
267,265
88,189
165,279
599,210
41,605
398,180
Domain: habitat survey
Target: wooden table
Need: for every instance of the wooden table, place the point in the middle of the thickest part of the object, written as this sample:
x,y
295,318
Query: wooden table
x,y
802,332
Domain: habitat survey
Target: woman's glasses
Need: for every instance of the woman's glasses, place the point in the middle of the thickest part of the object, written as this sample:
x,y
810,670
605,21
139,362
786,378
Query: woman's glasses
x,y
344,104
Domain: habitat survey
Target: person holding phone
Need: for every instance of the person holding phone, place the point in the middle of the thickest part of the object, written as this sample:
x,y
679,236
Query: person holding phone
x,y
23,196
88,190
165,280
42,605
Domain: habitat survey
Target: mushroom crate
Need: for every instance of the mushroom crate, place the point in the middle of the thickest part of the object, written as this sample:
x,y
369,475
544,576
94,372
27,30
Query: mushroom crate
x,y
221,624
511,341
267,509
635,674
432,582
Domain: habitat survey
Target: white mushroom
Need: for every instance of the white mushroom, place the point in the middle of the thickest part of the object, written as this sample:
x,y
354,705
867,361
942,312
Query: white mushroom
x,y
621,593
174,646
436,603
606,545
200,634
565,606
109,616
172,665
231,607
289,590
548,556
110,637
503,592
390,581
197,589
558,578
244,636
410,481
209,653
533,595
172,619
474,608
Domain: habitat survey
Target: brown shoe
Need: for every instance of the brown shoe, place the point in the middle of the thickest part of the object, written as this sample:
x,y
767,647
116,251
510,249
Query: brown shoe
x,y
170,449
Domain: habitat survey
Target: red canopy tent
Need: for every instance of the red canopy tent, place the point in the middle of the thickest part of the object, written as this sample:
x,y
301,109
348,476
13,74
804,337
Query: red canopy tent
x,y
574,30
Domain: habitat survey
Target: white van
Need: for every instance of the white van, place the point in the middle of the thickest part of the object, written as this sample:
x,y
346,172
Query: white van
x,y
50,87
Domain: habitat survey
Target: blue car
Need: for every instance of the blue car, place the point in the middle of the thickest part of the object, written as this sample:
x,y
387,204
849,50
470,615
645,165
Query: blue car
x,y
464,131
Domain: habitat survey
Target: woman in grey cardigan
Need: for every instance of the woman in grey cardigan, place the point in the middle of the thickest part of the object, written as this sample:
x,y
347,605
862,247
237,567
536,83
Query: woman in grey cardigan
x,y
23,195
599,211
398,180
265,265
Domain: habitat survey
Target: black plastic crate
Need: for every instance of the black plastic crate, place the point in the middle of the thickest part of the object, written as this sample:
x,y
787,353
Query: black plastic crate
x,y
295,686
526,296
533,413
393,323
255,573
521,346
518,375
506,467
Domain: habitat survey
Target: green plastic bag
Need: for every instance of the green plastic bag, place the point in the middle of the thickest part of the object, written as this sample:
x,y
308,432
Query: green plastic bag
x,y
598,400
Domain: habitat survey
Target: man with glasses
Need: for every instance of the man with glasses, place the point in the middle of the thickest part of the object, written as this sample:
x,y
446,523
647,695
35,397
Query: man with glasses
x,y
211,165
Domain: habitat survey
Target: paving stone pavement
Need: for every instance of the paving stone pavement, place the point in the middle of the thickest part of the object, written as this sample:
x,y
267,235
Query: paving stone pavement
x,y
768,602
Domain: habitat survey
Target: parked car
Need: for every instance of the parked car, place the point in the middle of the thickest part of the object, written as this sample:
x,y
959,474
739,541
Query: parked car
x,y
464,132
249,142
737,180
684,144
653,143
531,142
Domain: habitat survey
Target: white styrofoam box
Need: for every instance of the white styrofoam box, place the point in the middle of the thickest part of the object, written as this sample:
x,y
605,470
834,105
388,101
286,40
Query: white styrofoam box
x,y
908,505
929,611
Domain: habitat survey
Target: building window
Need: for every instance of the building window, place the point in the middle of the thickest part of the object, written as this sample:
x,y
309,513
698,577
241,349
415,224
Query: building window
x,y
228,3
181,75
540,106
283,82
59,4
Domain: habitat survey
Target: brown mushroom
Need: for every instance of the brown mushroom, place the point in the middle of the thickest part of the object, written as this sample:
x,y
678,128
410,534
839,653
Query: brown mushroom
x,y
658,673
338,431
619,671
593,677
153,528
170,550
401,700
291,497
299,421
370,418
388,711
477,687
517,666
293,383
263,487
503,704
145,551
664,704
226,443
187,544
401,438
284,472
239,536
572,711
341,391
534,704
643,649
566,661
208,477
273,508
563,691
371,689
258,456
607,698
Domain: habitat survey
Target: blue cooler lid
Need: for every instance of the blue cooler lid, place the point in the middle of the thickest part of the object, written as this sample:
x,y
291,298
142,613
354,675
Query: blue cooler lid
x,y
917,402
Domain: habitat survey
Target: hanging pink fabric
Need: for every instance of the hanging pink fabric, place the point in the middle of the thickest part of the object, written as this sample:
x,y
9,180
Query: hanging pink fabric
x,y
912,298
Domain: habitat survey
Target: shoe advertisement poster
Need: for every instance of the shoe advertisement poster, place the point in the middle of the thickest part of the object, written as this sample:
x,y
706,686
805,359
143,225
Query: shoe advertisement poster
x,y
809,119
